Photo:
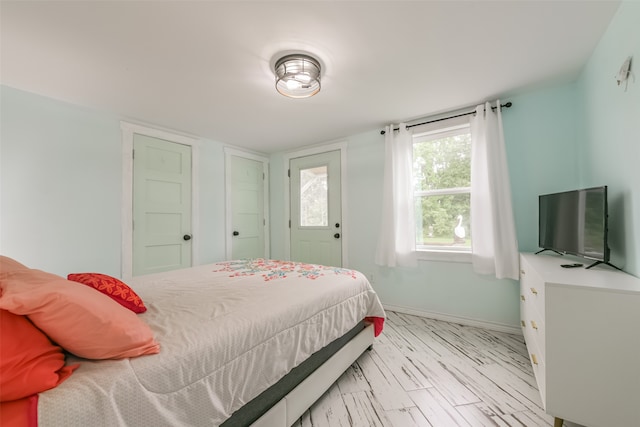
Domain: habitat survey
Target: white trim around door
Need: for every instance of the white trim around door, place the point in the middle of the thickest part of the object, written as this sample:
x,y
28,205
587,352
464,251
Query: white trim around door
x,y
228,152
342,147
128,130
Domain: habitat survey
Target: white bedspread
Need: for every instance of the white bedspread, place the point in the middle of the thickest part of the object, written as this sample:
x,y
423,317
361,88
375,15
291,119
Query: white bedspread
x,y
227,332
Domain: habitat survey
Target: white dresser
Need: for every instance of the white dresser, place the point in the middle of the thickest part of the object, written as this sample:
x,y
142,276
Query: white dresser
x,y
582,329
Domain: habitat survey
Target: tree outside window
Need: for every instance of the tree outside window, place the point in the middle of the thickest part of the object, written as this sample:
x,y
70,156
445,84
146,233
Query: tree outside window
x,y
442,189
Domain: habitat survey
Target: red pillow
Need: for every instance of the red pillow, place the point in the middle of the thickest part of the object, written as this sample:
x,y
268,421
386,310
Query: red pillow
x,y
84,322
114,288
29,362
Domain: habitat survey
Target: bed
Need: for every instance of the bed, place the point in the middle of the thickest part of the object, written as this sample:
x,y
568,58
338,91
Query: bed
x,y
245,342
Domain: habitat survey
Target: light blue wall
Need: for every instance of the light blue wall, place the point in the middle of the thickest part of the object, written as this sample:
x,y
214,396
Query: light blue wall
x,y
610,138
558,138
61,184
60,187
276,206
211,240
540,138
61,179
542,152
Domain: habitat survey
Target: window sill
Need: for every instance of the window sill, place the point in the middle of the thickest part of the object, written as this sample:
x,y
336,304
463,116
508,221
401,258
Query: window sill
x,y
443,255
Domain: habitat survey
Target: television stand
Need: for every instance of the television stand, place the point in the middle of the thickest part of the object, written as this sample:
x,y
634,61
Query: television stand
x,y
552,250
602,262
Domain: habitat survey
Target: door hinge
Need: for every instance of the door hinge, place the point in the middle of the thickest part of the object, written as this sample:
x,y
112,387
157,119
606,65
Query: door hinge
x,y
263,176
289,223
264,222
133,154
289,173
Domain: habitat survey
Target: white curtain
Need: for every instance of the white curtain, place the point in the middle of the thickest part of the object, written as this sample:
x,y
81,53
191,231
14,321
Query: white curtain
x,y
494,243
396,244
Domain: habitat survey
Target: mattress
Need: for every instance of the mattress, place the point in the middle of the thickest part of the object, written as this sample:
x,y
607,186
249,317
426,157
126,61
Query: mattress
x,y
227,331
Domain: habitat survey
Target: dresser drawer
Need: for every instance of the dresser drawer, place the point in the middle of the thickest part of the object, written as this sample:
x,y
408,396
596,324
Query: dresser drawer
x,y
532,288
533,328
537,359
539,371
532,321
534,332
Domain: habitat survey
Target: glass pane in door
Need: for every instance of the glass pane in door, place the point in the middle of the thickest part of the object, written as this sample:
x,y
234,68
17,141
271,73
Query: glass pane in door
x,y
314,197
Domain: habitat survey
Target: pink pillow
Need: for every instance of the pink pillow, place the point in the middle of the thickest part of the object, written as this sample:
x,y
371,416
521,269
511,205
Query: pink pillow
x,y
7,265
87,323
29,362
113,288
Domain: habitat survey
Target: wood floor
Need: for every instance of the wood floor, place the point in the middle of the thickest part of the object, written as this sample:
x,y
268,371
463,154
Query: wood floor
x,y
425,372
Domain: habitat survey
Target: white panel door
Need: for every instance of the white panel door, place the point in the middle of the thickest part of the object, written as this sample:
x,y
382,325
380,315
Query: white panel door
x,y
161,205
316,211
247,208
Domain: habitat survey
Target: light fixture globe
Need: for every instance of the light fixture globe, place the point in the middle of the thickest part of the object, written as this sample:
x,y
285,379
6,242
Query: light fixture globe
x,y
297,76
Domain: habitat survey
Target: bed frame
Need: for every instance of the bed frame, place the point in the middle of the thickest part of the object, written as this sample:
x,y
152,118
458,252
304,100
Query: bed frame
x,y
285,402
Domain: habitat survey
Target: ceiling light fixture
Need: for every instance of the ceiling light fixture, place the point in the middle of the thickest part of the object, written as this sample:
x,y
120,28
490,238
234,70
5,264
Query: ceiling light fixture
x,y
297,76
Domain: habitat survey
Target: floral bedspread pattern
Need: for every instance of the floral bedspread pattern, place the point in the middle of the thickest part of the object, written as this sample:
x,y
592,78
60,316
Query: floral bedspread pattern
x,y
273,270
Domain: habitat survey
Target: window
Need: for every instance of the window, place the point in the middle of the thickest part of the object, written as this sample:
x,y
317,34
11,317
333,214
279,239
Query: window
x,y
314,197
442,188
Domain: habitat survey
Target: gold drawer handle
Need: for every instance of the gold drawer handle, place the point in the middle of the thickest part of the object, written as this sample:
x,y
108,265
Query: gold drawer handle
x,y
534,291
524,325
534,359
522,297
533,324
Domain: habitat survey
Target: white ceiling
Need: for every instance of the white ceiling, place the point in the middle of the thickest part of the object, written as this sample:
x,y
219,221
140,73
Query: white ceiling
x,y
205,67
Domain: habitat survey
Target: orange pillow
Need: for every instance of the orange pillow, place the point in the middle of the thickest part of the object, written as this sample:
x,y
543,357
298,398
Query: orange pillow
x,y
7,265
113,288
20,413
29,362
84,322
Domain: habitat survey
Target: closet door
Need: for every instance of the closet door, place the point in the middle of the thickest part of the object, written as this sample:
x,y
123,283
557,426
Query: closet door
x,y
162,237
248,221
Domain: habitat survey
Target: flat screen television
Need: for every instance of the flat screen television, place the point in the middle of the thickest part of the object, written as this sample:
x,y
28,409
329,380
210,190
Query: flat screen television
x,y
575,222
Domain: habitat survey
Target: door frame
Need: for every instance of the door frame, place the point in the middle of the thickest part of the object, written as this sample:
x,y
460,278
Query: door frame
x,y
232,151
128,131
319,149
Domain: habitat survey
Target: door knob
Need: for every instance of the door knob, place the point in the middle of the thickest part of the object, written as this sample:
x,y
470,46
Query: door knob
x,y
186,237
337,235
236,233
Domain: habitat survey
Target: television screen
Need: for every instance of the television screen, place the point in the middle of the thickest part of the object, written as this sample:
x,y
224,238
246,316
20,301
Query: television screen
x,y
575,222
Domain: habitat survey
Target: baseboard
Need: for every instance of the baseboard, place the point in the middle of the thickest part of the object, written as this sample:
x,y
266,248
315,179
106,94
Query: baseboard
x,y
494,326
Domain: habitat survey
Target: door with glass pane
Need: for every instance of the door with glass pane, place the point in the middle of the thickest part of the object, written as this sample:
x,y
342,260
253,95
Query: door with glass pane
x,y
316,211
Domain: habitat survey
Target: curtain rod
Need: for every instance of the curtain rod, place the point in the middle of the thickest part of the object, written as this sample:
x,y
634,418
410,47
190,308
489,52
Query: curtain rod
x,y
507,105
